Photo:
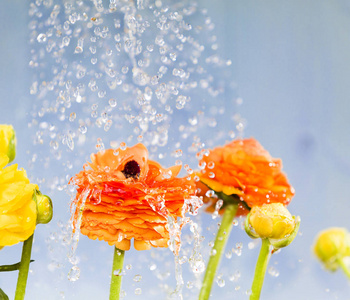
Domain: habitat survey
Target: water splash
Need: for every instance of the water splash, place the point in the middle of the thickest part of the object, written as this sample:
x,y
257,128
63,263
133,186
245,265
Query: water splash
x,y
146,70
77,210
155,57
196,261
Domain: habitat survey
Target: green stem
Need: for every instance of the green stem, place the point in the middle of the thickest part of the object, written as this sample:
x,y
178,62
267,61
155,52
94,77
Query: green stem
x,y
24,268
344,267
219,246
116,279
260,269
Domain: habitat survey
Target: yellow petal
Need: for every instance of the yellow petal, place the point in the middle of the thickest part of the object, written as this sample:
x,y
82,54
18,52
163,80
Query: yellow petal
x,y
8,141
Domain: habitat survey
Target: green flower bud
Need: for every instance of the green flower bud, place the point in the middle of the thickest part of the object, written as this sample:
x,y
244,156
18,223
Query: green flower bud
x,y
8,141
43,207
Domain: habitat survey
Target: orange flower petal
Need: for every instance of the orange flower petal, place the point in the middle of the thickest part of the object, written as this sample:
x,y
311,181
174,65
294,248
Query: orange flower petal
x,y
129,197
245,168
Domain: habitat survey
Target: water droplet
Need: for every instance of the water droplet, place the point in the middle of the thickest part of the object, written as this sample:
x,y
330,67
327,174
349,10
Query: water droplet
x,y
181,101
211,165
41,38
83,129
94,114
122,294
112,102
80,46
193,121
54,145
221,282
108,125
235,276
273,271
137,278
138,291
198,267
232,134
239,101
74,274
119,272
240,126
212,122
78,50
66,41
178,153
70,142
183,259
210,193
152,267
122,146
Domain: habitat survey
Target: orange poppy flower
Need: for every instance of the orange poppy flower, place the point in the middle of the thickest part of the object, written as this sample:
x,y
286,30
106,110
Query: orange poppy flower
x,y
124,195
245,169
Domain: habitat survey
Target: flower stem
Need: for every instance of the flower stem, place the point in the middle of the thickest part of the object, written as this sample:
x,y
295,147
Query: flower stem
x,y
116,279
344,267
260,269
24,268
219,246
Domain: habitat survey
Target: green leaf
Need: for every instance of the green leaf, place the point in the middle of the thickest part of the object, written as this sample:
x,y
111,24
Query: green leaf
x,y
8,268
3,296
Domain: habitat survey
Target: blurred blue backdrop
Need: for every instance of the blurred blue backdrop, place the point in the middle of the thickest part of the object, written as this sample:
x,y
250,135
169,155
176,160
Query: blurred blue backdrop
x,y
291,63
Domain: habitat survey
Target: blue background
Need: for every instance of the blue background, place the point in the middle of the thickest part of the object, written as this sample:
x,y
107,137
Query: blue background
x,y
291,63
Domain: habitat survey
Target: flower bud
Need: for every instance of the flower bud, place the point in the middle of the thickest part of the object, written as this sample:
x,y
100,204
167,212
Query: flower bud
x,y
8,141
274,222
332,244
43,208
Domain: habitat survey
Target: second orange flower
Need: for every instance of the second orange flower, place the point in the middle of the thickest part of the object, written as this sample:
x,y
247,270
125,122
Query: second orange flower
x,y
244,168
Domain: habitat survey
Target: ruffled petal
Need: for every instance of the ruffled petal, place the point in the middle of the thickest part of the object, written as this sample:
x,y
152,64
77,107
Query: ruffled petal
x,y
244,168
121,208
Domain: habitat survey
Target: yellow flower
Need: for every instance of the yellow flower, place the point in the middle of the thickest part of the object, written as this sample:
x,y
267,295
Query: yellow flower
x,y
18,211
8,141
332,244
271,221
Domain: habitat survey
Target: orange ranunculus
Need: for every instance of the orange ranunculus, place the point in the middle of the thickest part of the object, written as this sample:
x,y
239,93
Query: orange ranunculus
x,y
129,196
244,168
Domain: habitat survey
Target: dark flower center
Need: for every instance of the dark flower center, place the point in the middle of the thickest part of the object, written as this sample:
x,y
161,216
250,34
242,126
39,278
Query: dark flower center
x,y
131,169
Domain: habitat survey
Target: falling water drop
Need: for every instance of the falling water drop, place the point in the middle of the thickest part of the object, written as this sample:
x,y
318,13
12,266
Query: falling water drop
x,y
41,38
138,291
112,102
74,274
72,116
137,278
221,282
83,129
218,205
